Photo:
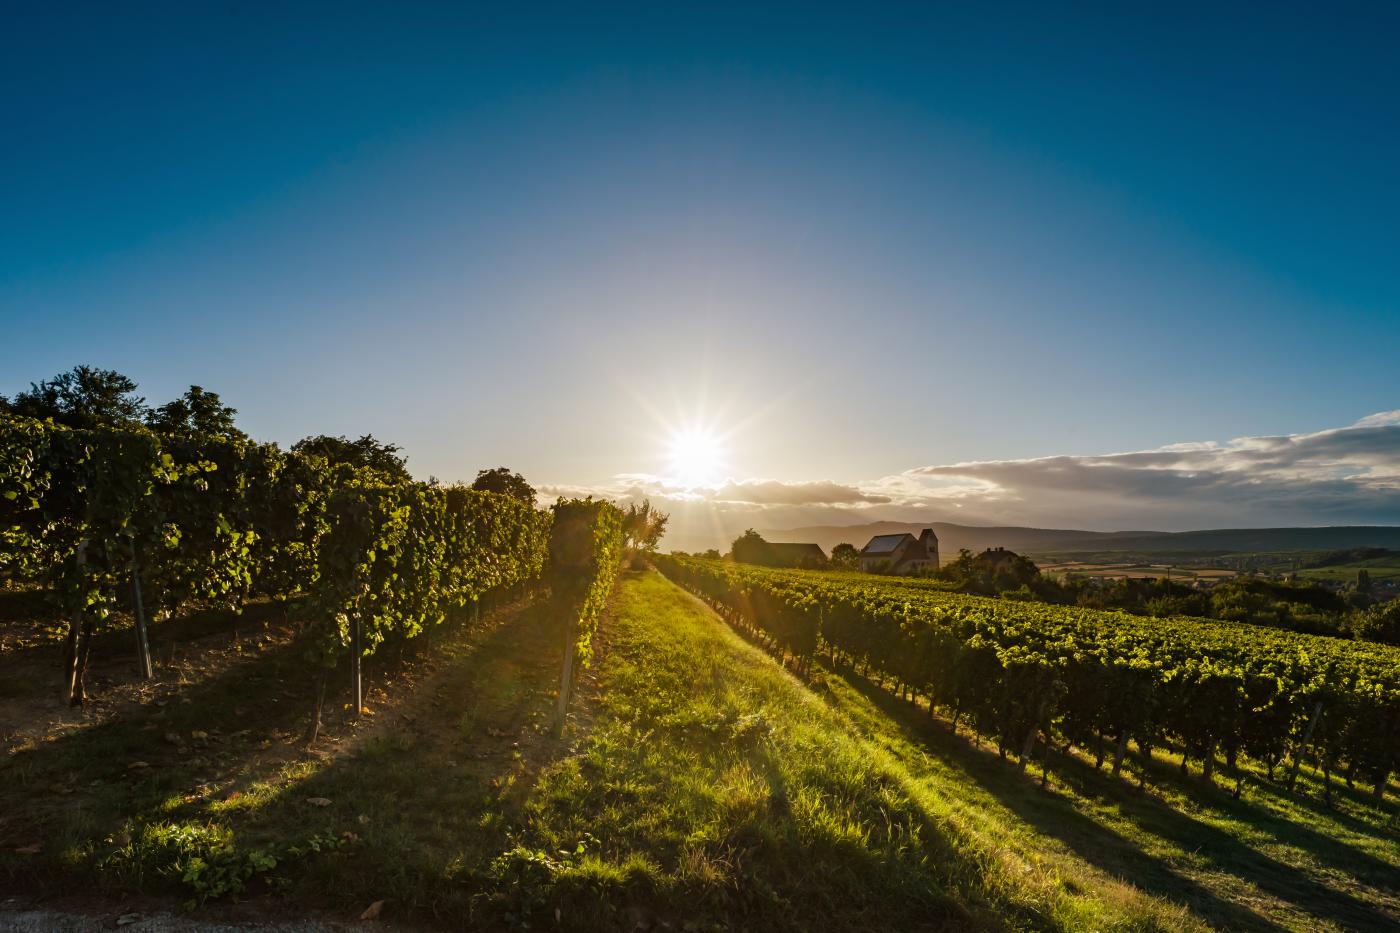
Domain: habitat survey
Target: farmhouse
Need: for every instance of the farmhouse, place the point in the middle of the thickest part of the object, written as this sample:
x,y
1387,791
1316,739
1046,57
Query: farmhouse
x,y
995,560
902,554
806,556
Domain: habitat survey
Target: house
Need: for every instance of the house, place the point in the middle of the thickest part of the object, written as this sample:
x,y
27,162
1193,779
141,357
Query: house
x,y
807,556
901,554
1005,567
996,560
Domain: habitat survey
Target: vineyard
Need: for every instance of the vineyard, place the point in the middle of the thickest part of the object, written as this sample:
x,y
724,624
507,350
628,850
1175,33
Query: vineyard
x,y
1034,678
553,743
128,519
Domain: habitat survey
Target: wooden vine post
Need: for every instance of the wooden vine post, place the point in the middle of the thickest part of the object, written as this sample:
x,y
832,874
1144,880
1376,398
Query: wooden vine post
x,y
143,643
358,655
561,710
79,638
1302,748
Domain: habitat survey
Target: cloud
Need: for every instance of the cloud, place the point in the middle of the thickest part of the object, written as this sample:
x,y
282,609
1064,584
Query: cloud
x,y
744,493
774,492
1347,475
1379,419
1341,475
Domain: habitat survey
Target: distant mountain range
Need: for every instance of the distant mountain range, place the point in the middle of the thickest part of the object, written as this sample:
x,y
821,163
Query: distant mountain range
x,y
953,537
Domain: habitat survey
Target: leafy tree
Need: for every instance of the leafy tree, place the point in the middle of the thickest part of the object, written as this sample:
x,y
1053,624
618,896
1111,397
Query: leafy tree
x,y
643,526
845,557
1379,623
710,554
197,413
366,452
83,397
502,480
751,548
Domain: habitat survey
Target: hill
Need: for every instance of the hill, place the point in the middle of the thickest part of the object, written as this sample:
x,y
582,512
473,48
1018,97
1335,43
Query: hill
x,y
952,537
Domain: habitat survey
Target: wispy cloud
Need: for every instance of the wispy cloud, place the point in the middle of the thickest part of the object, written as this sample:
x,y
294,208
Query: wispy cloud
x,y
1349,474
746,493
1337,476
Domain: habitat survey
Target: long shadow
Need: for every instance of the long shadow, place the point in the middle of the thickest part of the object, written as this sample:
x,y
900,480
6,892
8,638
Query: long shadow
x,y
1110,851
90,780
220,734
1096,843
1385,810
437,783
879,883
1334,852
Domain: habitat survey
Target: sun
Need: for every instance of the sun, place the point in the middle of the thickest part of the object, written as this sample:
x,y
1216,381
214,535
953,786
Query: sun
x,y
696,458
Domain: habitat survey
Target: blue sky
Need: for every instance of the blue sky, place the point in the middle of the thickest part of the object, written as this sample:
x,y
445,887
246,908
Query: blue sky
x,y
855,241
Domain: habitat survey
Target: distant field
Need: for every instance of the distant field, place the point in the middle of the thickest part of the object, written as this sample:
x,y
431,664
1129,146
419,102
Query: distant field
x,y
1380,569
1137,571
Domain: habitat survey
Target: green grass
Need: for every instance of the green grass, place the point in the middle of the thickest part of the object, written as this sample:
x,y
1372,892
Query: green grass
x,y
699,785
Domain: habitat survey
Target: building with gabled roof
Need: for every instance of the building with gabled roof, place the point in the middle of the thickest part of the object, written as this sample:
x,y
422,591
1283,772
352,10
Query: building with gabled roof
x,y
807,556
901,553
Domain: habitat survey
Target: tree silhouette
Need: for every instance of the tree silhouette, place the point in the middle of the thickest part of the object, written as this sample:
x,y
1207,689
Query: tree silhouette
x,y
503,481
366,452
197,412
845,557
84,397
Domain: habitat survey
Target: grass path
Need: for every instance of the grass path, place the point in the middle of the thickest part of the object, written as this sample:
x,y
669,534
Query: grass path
x,y
731,790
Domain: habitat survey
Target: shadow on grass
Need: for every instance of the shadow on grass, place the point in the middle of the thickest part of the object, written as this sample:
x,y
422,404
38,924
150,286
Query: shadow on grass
x,y
1308,797
1055,816
720,798
1326,849
430,795
73,794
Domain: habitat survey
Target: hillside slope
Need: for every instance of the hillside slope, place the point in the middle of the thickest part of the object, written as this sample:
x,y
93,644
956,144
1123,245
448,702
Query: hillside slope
x,y
1269,861
742,798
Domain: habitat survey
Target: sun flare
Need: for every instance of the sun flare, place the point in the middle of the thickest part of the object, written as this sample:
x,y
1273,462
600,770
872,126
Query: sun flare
x,y
696,458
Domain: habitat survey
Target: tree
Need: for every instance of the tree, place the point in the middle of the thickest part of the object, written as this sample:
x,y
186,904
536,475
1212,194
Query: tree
x,y
84,397
845,557
751,548
366,453
1379,623
502,480
643,526
710,554
196,413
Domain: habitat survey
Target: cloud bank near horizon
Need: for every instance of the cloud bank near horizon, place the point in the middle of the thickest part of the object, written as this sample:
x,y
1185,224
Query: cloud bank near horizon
x,y
1348,475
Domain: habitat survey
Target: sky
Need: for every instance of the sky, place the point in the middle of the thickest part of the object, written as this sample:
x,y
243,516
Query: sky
x,y
1097,266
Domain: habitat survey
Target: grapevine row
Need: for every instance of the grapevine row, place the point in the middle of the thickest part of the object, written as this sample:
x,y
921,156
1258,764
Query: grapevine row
x,y
104,517
1022,673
